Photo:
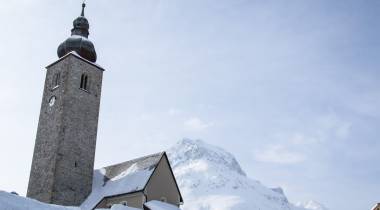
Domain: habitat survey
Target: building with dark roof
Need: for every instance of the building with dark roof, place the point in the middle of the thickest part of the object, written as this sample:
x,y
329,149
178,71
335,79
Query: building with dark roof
x,y
133,183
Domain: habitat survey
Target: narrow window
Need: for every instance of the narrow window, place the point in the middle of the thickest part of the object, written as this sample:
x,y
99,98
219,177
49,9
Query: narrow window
x,y
81,81
84,82
56,80
75,164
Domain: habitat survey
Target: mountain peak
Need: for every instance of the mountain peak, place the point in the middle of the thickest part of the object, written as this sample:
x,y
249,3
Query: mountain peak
x,y
194,150
278,190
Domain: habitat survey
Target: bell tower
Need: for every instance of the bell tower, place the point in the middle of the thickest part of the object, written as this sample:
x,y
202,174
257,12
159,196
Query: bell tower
x,y
63,159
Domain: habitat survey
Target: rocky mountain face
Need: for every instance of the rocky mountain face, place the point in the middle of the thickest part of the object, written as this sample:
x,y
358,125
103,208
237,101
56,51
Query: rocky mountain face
x,y
212,179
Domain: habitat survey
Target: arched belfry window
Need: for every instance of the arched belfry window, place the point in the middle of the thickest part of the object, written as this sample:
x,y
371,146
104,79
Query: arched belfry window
x,y
56,80
84,82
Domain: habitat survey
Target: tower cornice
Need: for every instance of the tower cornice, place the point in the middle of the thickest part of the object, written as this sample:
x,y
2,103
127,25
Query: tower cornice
x,y
73,53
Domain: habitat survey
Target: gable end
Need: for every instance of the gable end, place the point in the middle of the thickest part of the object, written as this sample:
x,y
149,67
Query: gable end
x,y
164,158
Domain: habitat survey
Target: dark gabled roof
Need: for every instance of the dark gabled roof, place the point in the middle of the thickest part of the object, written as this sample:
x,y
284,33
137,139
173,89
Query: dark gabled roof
x,y
123,178
375,206
144,163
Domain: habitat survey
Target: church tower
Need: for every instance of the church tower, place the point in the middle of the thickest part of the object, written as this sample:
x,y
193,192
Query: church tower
x,y
63,159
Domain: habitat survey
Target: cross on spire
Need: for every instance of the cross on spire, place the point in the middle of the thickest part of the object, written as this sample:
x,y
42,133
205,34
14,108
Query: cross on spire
x,y
83,6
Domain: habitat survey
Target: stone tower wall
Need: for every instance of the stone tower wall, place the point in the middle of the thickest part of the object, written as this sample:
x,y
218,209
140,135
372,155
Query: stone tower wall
x,y
63,160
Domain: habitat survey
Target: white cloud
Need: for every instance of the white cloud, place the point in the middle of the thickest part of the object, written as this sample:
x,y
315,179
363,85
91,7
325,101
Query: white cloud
x,y
333,126
322,130
196,124
279,154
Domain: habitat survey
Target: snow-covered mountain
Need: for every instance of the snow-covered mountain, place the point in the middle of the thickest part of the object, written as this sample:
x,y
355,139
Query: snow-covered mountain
x,y
212,179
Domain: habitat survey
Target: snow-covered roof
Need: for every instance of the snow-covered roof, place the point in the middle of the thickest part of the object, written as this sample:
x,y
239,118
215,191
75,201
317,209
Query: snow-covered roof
x,y
375,206
158,205
127,177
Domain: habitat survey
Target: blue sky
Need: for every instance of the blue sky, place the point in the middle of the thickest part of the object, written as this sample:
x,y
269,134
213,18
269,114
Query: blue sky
x,y
289,87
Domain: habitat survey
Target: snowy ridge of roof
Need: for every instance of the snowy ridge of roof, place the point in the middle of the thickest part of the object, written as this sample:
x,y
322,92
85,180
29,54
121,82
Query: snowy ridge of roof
x,y
135,165
127,177
375,206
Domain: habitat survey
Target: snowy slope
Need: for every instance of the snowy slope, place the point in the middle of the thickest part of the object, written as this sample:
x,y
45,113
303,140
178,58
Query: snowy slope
x,y
211,179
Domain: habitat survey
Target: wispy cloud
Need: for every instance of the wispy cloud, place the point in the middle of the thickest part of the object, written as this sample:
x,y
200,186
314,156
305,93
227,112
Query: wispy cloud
x,y
279,154
295,146
196,124
333,126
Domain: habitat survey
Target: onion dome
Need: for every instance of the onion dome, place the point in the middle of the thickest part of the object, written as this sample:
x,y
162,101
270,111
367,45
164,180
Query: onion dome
x,y
78,41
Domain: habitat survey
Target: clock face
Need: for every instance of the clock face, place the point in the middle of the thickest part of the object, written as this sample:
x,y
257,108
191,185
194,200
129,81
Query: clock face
x,y
52,100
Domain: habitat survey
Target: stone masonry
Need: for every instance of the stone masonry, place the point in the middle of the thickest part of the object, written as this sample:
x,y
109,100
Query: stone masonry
x,y
63,160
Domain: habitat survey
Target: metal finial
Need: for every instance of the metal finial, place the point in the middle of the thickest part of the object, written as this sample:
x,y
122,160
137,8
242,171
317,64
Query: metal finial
x,y
83,6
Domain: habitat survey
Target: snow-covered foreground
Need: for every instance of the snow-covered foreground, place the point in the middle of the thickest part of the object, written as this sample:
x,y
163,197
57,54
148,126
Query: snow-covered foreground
x,y
10,201
209,179
14,202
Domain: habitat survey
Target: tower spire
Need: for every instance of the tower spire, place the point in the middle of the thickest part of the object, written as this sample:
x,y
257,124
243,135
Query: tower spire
x,y
83,6
78,41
